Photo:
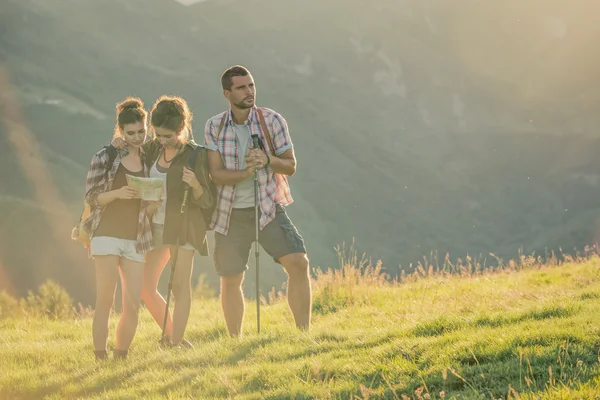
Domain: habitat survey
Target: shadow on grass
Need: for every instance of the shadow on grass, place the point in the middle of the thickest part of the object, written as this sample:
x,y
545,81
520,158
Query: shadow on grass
x,y
445,324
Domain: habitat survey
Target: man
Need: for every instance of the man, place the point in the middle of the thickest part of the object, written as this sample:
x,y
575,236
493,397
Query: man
x,y
232,162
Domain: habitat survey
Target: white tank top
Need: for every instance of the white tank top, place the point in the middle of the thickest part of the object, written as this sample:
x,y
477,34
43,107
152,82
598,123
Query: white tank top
x,y
159,216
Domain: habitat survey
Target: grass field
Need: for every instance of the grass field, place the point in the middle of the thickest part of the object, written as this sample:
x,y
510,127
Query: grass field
x,y
526,331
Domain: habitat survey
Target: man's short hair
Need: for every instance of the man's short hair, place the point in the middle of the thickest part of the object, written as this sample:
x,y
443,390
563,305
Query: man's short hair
x,y
236,70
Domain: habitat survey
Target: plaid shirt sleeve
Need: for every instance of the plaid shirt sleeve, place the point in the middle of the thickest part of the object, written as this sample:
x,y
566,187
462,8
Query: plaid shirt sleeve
x,y
95,180
281,135
210,139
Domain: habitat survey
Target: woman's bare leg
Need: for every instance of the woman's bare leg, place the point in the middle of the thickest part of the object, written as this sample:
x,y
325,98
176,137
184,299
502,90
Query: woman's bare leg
x,y
132,274
155,303
107,273
182,291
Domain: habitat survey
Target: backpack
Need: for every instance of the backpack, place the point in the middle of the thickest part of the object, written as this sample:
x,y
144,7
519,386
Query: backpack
x,y
78,233
212,187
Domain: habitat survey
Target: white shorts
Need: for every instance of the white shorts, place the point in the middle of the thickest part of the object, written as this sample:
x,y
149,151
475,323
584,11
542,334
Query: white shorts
x,y
110,246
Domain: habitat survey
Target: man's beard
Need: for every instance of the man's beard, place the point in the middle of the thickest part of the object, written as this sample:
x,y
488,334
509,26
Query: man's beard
x,y
242,105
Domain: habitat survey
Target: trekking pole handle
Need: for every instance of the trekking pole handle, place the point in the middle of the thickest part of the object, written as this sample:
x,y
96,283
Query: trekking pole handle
x,y
255,141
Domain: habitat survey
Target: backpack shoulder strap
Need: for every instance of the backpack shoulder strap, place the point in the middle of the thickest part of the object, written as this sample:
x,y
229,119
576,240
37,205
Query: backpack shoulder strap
x,y
221,125
112,154
265,131
194,156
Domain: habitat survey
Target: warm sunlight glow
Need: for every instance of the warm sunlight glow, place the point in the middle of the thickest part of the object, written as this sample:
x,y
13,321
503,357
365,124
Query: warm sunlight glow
x,y
32,162
6,283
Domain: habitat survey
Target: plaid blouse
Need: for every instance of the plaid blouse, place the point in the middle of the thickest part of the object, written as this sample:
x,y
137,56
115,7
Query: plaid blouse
x,y
273,188
99,179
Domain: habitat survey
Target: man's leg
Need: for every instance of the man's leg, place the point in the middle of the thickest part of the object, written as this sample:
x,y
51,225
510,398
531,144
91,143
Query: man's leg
x,y
281,240
231,257
232,301
299,293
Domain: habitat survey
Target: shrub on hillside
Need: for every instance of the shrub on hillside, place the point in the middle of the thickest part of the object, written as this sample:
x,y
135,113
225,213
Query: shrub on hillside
x,y
349,285
52,300
203,289
9,306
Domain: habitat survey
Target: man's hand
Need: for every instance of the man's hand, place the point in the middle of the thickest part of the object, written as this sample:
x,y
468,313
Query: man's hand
x,y
256,158
249,171
223,176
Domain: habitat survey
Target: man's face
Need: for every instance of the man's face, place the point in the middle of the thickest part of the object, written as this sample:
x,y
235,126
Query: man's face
x,y
243,92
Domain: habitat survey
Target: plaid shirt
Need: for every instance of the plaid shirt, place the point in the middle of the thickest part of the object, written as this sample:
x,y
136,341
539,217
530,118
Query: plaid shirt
x,y
99,181
273,188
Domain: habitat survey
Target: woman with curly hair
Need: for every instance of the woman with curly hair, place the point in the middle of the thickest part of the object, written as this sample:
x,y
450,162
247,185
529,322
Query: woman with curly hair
x,y
119,228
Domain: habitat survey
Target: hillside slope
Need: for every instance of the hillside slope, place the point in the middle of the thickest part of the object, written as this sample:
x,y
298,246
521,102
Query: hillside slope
x,y
417,126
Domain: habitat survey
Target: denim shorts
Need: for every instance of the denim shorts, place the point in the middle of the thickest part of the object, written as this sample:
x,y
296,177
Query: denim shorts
x,y
110,246
157,235
279,238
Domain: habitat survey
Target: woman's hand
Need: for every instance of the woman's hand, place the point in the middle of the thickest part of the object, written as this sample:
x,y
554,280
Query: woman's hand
x,y
127,193
153,206
189,177
118,143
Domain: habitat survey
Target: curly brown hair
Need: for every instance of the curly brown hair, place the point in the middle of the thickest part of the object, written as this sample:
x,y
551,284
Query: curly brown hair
x,y
129,111
174,114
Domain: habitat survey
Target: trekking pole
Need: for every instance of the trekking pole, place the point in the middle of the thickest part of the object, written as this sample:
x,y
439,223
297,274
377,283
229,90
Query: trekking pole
x,y
174,261
256,226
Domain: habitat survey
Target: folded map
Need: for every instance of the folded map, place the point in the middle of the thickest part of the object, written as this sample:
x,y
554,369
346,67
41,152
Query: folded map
x,y
150,188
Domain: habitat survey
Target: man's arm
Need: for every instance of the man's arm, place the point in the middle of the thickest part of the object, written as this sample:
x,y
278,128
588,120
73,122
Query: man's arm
x,y
284,164
284,160
223,176
219,174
